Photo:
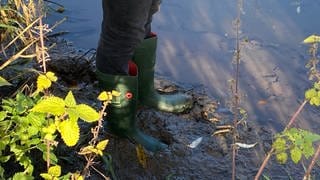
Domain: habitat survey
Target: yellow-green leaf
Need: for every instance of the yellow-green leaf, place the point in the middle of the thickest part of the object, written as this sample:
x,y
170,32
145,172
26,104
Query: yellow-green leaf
x,y
43,82
70,100
51,76
70,132
4,82
46,176
72,113
310,93
88,150
103,96
49,137
87,113
142,158
295,154
52,105
312,39
102,144
282,158
77,176
55,171
50,129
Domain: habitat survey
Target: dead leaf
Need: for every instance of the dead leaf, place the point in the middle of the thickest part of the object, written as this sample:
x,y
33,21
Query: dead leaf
x,y
141,155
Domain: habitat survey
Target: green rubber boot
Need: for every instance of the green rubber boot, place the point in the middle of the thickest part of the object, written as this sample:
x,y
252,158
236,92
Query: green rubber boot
x,y
145,58
121,113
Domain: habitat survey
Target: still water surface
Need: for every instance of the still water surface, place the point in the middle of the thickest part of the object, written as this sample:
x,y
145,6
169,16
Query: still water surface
x,y
196,43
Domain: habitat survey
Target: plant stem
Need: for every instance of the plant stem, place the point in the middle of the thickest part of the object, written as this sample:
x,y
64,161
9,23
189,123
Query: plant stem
x,y
236,98
48,154
311,165
42,48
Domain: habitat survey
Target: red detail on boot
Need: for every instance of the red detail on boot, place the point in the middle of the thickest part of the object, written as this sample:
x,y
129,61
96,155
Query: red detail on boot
x,y
152,34
133,68
129,95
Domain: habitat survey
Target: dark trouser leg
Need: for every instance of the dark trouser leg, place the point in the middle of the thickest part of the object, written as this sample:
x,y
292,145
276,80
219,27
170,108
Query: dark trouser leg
x,y
123,29
154,8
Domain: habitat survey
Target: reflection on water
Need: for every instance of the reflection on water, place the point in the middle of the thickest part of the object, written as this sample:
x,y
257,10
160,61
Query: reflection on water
x,y
198,37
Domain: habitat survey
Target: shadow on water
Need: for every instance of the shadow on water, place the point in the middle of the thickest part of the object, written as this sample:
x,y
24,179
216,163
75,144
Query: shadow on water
x,y
196,45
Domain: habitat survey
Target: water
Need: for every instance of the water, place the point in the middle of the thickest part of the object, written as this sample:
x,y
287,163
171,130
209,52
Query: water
x,y
82,24
196,45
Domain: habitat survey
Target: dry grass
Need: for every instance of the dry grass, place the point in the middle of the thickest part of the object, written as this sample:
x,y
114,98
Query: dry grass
x,y
19,29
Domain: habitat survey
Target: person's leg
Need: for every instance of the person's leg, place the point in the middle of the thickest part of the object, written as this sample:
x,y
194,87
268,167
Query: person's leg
x,y
145,59
155,6
123,29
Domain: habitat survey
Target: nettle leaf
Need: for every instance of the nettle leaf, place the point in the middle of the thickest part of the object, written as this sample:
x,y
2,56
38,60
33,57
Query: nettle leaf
x,y
315,101
307,149
70,100
279,144
1,172
77,176
46,176
102,144
295,154
43,82
310,93
87,113
50,129
72,113
103,96
3,115
70,132
293,134
316,85
35,119
55,171
32,131
4,82
282,157
52,105
51,76
88,150
309,136
52,156
312,39
22,176
26,162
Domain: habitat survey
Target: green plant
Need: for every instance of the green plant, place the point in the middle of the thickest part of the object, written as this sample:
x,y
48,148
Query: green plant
x,y
35,121
297,141
29,122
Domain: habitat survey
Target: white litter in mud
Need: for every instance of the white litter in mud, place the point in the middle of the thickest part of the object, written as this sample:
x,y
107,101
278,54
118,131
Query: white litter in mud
x,y
195,143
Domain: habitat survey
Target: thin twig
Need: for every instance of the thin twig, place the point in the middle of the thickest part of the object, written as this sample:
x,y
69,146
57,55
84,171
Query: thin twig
x,y
101,174
48,154
17,55
42,48
311,165
236,97
295,115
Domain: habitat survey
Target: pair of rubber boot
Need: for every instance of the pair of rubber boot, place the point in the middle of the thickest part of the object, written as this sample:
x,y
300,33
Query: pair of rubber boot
x,y
138,88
